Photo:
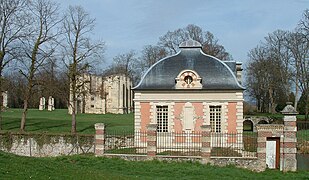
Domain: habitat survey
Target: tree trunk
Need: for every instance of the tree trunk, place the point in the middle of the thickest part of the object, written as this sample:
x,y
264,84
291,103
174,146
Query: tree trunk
x,y
73,129
272,103
26,101
74,104
1,105
0,120
24,115
1,97
307,108
296,94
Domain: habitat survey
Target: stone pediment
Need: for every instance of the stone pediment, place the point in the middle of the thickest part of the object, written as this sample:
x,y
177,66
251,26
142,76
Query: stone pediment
x,y
289,109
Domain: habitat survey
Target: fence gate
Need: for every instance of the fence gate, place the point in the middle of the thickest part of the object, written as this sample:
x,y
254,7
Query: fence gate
x,y
273,152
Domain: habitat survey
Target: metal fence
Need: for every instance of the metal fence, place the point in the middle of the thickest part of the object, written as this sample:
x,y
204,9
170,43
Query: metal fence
x,y
179,143
234,144
122,142
182,143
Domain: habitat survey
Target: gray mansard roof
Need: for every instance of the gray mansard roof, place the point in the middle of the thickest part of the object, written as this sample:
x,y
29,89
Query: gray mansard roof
x,y
215,74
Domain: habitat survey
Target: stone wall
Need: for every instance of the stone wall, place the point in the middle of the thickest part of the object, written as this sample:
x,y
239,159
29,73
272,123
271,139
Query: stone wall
x,y
248,163
41,145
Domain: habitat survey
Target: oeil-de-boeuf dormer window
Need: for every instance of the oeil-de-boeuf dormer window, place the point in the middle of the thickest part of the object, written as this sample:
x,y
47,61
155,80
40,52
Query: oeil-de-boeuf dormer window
x,y
162,118
188,79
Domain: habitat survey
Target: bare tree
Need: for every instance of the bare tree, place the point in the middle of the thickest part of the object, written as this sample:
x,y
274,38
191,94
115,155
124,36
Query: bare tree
x,y
171,40
304,24
212,47
279,55
37,46
78,50
298,48
267,74
124,63
12,24
304,63
151,54
255,81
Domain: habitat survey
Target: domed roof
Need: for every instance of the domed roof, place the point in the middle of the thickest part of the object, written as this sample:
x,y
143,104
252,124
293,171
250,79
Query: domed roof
x,y
213,73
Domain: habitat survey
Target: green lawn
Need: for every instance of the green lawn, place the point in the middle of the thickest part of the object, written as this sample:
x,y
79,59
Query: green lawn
x,y
59,121
90,167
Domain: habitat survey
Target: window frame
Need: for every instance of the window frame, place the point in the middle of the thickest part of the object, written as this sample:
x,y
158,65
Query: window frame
x,y
216,118
162,124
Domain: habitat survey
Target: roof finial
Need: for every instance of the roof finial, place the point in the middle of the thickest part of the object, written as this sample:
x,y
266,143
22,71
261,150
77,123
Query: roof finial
x,y
190,44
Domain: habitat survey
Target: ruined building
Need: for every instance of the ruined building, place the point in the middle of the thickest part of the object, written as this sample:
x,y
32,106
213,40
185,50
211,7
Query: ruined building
x,y
104,94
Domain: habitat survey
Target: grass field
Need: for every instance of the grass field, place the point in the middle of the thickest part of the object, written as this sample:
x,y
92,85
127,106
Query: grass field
x,y
90,167
59,121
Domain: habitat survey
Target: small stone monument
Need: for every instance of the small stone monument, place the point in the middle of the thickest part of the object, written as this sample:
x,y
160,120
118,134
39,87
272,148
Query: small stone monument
x,y
5,99
42,104
51,105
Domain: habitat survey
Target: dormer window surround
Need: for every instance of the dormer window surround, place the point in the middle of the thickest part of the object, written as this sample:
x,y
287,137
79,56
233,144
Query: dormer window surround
x,y
188,79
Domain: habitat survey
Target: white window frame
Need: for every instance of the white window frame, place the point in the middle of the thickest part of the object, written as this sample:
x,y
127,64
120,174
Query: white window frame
x,y
167,129
215,128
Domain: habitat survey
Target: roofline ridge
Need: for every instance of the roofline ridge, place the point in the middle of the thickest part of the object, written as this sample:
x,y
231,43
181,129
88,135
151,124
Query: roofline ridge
x,y
144,75
225,66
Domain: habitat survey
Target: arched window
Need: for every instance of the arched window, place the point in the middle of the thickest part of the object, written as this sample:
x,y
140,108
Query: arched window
x,y
188,79
247,125
262,122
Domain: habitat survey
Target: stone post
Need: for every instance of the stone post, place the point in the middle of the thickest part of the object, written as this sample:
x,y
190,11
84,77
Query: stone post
x,y
290,140
50,104
5,99
99,138
206,141
42,104
53,104
151,140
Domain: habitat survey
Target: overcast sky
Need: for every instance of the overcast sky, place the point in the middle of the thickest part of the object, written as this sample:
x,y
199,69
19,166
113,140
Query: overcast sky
x,y
238,24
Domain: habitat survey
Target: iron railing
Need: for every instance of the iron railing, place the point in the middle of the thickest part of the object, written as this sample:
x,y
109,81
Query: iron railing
x,y
182,143
179,143
122,142
234,144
